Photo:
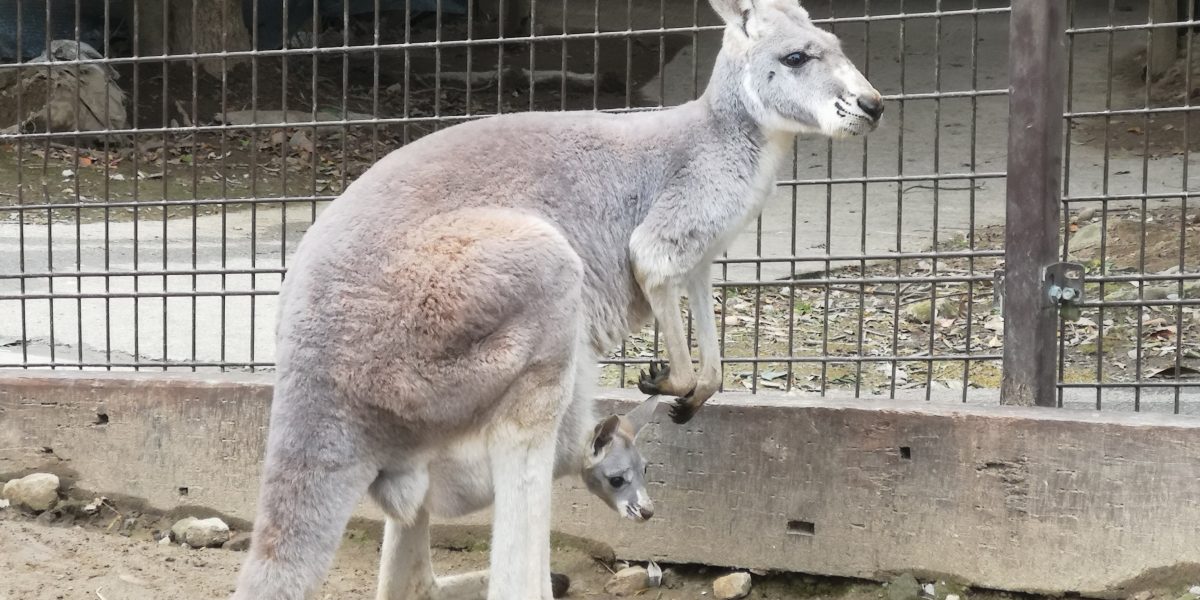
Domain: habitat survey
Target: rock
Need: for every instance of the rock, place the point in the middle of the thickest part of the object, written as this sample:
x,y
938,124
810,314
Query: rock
x,y
206,533
5,504
1191,291
929,590
240,542
1121,295
1195,589
37,492
1157,292
732,586
1086,238
628,581
904,587
52,93
948,590
1086,214
180,526
919,312
93,507
559,585
671,579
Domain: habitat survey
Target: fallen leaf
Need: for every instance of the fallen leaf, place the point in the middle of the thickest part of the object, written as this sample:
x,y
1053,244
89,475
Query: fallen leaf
x,y
1173,372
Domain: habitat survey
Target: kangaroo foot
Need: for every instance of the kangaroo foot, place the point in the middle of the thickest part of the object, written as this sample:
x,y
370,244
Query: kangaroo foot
x,y
652,384
685,408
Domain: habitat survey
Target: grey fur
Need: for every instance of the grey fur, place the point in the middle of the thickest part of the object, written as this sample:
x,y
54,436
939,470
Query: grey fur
x,y
439,321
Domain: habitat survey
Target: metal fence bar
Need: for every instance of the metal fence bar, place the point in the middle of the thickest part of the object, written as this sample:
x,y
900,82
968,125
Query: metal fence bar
x,y
1037,72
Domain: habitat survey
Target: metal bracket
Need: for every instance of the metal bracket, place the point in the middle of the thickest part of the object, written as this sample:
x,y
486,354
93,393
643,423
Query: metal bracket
x,y
1063,283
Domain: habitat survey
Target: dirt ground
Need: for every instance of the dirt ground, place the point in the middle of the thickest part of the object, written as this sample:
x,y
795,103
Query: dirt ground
x,y
114,556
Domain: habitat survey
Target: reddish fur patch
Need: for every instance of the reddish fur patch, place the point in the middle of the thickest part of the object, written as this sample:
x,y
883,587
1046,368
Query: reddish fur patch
x,y
266,541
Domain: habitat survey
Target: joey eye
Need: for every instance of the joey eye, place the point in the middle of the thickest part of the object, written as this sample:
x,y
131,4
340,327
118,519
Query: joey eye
x,y
795,60
616,482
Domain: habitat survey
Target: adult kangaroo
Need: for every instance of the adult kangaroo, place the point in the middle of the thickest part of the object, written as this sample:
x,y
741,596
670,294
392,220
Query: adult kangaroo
x,y
441,319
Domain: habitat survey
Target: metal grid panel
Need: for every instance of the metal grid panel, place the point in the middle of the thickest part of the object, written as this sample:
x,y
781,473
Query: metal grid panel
x,y
158,239
1128,187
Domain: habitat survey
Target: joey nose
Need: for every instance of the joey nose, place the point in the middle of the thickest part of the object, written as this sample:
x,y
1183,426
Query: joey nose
x,y
872,105
646,512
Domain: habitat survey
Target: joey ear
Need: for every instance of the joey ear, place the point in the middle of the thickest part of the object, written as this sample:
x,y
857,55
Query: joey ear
x,y
641,416
603,436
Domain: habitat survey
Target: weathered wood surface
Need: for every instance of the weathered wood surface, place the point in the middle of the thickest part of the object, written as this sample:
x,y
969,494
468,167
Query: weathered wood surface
x,y
1005,497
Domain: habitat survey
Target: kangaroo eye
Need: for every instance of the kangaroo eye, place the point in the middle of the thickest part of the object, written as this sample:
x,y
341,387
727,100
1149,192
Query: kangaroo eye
x,y
795,60
616,482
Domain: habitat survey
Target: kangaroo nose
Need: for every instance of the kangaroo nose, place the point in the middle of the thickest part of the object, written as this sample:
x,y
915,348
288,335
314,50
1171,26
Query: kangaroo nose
x,y
646,512
872,105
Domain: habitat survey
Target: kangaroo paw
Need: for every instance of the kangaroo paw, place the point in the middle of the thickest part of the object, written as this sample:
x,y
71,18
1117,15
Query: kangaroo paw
x,y
685,408
560,584
651,384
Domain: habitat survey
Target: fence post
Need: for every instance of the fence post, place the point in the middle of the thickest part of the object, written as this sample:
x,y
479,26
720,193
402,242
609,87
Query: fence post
x,y
1037,74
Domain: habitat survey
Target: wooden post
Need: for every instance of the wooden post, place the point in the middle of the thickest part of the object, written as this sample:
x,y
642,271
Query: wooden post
x,y
1037,75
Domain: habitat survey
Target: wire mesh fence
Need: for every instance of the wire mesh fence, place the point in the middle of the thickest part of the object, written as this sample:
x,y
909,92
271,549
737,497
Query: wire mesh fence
x,y
160,159
1128,178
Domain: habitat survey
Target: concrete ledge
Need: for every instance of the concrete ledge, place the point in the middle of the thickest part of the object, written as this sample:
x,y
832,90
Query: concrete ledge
x,y
1020,499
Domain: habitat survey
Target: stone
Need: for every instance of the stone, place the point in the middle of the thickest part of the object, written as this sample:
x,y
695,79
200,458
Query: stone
x,y
1121,295
37,492
1156,292
1191,291
239,542
1086,214
671,579
904,587
628,581
1086,238
919,312
200,533
1195,589
5,504
945,590
559,585
180,526
93,507
732,586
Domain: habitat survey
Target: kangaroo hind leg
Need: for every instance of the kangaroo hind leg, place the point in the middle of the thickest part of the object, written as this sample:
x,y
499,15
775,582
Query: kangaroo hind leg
x,y
306,498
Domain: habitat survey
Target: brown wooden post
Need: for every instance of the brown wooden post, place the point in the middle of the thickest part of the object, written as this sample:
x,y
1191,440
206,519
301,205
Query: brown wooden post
x,y
1037,75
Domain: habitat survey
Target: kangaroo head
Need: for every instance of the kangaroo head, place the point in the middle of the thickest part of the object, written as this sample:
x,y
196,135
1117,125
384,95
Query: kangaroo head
x,y
792,76
614,470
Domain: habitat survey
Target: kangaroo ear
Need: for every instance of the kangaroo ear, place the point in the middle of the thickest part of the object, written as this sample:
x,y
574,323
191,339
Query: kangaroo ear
x,y
603,436
736,13
641,416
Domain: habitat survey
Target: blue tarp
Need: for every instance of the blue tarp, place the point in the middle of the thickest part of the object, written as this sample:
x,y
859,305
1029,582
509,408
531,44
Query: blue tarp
x,y
32,25
32,21
299,12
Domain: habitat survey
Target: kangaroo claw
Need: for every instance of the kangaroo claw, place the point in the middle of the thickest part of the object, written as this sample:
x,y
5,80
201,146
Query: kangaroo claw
x,y
651,384
685,408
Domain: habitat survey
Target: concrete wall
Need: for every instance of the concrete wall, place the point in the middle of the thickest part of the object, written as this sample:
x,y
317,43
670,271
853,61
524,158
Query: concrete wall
x,y
1020,499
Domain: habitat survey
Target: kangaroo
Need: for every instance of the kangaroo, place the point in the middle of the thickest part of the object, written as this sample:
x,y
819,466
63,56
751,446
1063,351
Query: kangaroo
x,y
440,323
